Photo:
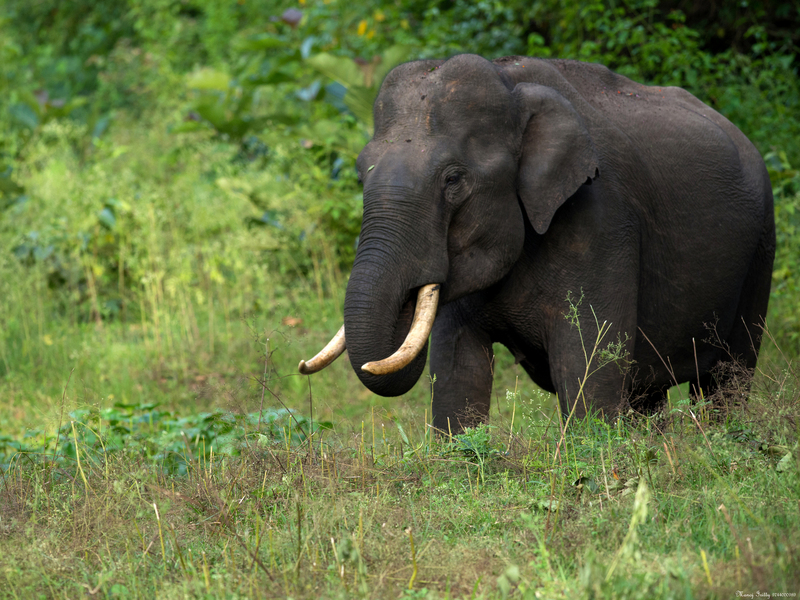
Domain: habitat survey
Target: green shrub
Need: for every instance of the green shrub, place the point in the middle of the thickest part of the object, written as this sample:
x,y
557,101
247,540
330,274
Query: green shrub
x,y
268,111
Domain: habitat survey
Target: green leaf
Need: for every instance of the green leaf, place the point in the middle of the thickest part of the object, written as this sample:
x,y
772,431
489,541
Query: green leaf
x,y
107,218
189,127
209,79
360,100
586,483
8,186
338,68
402,433
272,78
210,109
545,505
31,101
283,119
54,111
786,463
23,114
262,41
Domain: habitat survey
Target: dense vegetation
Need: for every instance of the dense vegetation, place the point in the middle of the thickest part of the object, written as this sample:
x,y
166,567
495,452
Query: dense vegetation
x,y
178,215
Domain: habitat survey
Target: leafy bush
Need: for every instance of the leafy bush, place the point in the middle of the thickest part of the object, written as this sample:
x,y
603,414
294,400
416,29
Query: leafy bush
x,y
283,95
785,319
170,441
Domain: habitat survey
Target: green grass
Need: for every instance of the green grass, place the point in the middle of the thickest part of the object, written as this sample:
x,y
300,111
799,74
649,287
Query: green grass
x,y
680,505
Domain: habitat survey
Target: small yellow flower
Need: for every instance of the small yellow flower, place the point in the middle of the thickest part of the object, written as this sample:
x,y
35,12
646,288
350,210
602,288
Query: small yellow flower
x,y
404,24
362,27
370,34
302,2
48,341
379,16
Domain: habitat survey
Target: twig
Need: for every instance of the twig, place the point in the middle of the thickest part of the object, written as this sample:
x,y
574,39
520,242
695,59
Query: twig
x,y
413,559
697,370
669,370
252,554
266,366
61,416
311,409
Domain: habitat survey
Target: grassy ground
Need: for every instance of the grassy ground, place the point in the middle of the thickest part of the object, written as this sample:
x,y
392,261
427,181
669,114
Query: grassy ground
x,y
136,503
146,449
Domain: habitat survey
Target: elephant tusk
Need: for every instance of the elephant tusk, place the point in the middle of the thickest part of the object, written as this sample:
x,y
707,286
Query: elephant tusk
x,y
326,356
424,315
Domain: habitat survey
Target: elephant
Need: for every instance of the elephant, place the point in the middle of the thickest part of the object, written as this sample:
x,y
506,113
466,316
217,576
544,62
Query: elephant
x,y
495,189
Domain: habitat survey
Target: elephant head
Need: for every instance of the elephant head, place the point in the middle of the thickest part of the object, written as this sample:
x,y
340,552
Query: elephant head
x,y
460,157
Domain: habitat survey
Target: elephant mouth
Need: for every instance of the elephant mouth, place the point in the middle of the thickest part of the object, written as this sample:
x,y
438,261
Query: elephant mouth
x,y
412,328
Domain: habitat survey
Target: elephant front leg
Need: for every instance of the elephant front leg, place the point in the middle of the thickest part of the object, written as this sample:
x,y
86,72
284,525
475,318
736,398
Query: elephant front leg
x,y
462,362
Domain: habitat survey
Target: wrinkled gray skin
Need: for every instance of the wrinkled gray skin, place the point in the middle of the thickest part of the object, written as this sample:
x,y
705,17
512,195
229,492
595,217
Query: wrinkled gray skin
x,y
514,182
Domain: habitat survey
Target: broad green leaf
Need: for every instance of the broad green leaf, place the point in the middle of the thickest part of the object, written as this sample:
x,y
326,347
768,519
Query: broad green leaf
x,y
786,463
402,433
338,68
360,100
209,79
262,41
23,114
8,186
272,78
548,505
189,127
30,100
75,103
211,110
107,218
586,483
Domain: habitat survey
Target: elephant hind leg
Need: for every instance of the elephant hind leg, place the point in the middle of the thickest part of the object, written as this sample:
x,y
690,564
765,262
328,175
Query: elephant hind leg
x,y
729,381
649,400
751,314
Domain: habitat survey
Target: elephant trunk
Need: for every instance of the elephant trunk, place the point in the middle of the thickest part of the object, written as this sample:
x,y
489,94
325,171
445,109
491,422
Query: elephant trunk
x,y
395,267
377,317
424,315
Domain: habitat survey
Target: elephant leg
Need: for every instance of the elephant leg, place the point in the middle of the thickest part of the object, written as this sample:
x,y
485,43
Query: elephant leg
x,y
726,386
581,389
650,400
744,341
463,363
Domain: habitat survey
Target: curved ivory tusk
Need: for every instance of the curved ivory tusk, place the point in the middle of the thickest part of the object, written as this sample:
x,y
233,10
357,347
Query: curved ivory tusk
x,y
425,313
326,356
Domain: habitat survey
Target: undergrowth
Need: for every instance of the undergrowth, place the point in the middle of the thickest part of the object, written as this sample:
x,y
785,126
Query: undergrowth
x,y
134,501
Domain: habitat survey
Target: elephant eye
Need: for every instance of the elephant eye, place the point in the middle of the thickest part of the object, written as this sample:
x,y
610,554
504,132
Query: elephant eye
x,y
452,179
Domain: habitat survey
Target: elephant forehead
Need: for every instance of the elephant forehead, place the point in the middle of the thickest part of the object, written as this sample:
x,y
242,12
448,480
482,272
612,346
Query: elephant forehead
x,y
461,120
438,105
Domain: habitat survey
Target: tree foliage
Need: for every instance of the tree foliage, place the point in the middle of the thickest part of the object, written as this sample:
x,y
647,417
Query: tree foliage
x,y
291,86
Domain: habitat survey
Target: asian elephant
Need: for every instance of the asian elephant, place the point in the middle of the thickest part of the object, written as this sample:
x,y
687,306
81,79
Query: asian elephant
x,y
492,189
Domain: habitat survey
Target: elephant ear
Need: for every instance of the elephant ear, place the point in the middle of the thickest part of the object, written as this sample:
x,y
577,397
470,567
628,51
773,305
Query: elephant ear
x,y
557,153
